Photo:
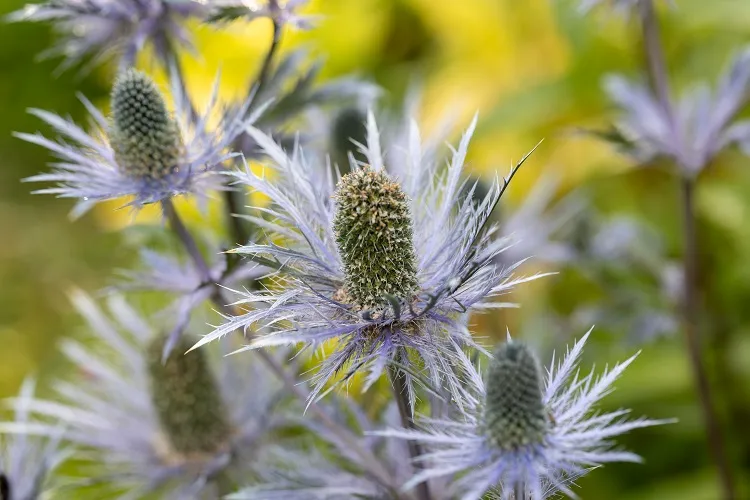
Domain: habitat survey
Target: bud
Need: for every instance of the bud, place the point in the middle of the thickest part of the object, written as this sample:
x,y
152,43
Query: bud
x,y
514,412
187,399
145,138
374,236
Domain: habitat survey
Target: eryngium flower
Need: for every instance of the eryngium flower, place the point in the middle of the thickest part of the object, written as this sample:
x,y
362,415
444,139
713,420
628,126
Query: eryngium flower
x,y
192,428
26,459
700,128
102,28
143,151
529,436
383,263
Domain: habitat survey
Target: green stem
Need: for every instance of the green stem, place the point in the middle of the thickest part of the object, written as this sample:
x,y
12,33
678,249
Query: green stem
x,y
398,384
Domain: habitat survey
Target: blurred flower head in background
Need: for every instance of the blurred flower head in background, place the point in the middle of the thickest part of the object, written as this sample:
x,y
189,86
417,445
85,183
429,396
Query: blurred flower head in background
x,y
185,427
103,28
702,125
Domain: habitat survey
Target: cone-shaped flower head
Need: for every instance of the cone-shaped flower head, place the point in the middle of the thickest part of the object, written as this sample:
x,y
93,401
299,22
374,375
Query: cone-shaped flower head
x,y
529,436
145,138
374,236
514,413
142,151
187,398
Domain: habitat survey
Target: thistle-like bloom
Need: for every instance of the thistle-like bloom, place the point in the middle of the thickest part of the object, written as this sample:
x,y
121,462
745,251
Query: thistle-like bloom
x,y
27,460
530,436
385,263
187,427
144,151
101,28
700,128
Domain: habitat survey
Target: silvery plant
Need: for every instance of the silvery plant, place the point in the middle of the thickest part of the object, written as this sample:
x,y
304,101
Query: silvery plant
x,y
360,273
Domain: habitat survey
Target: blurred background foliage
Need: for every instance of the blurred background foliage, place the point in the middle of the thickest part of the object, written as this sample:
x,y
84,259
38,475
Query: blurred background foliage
x,y
532,70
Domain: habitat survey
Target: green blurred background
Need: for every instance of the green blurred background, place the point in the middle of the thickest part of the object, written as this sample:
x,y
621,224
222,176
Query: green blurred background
x,y
533,70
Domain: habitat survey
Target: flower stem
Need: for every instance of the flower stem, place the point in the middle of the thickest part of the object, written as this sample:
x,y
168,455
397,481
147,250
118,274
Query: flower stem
x,y
187,239
690,308
240,231
374,467
407,421
659,81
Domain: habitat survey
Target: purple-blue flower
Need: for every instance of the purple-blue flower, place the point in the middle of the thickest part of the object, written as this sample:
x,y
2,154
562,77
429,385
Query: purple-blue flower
x,y
400,300
529,435
144,152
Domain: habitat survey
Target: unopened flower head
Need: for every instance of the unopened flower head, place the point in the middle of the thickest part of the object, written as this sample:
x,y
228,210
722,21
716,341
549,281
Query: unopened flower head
x,y
28,455
187,399
182,428
143,151
102,28
387,261
528,437
701,124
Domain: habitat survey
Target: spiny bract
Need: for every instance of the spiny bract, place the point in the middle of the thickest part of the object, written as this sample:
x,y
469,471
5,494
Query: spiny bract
x,y
145,138
373,230
187,398
514,411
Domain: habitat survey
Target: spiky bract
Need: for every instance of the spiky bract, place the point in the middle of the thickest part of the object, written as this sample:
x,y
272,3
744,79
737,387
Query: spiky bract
x,y
373,230
145,138
514,413
186,398
476,456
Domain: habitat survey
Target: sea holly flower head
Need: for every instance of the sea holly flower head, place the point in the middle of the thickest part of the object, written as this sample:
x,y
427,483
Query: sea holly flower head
x,y
143,151
529,436
388,263
188,426
101,28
